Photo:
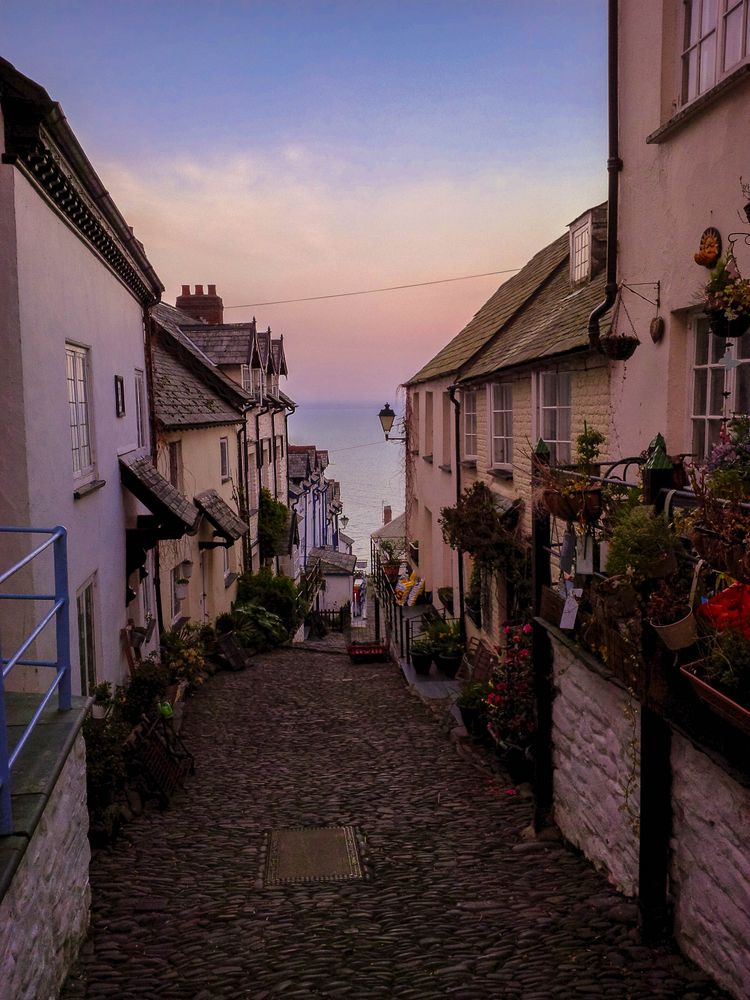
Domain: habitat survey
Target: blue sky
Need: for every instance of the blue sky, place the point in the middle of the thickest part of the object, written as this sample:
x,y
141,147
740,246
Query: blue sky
x,y
293,148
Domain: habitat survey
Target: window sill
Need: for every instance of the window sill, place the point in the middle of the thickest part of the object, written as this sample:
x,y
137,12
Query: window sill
x,y
445,467
87,488
501,473
427,458
226,479
698,105
414,451
469,463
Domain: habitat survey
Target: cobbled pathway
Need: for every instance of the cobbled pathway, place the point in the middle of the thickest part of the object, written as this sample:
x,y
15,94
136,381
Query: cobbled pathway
x,y
456,902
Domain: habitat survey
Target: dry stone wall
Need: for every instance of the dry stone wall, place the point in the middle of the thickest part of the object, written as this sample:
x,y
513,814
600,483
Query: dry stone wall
x,y
596,787
44,914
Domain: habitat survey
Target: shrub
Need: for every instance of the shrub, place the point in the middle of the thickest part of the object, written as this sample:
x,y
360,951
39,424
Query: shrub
x,y
183,654
105,761
146,686
256,628
277,594
641,541
273,521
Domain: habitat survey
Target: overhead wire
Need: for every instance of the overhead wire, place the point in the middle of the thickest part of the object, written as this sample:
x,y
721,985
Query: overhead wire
x,y
372,291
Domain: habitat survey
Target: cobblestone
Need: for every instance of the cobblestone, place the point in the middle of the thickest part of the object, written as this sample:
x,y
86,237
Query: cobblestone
x,y
456,903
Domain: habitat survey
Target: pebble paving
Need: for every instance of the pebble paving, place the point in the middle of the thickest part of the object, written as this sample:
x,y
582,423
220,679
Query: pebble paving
x,y
456,902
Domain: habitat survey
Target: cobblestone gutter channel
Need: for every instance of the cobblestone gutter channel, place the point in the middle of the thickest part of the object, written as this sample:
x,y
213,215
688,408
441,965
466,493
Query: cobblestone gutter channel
x,y
455,902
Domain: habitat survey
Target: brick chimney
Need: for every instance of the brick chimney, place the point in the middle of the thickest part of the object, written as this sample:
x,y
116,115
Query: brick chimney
x,y
206,307
387,515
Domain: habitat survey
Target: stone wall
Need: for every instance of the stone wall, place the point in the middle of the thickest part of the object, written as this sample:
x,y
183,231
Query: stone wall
x,y
596,787
44,913
710,874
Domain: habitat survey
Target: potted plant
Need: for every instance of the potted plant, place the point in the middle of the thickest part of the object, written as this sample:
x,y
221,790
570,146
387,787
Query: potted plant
x,y
472,705
727,299
575,497
722,678
511,718
643,546
670,615
421,653
103,700
391,555
446,639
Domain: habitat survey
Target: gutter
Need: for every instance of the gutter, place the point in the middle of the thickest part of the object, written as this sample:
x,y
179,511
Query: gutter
x,y
614,166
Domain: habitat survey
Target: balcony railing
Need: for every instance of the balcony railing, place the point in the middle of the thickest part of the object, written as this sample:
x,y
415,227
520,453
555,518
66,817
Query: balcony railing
x,y
59,613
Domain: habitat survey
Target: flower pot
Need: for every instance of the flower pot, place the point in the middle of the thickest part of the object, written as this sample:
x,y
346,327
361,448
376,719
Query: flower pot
x,y
448,665
584,503
718,702
720,326
99,711
679,634
186,569
618,346
422,662
181,591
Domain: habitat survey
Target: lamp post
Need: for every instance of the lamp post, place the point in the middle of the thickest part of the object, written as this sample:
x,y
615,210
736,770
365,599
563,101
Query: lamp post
x,y
344,521
386,417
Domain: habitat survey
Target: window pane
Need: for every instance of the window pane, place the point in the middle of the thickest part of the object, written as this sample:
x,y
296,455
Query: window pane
x,y
714,428
690,75
742,399
701,344
733,38
717,392
708,20
692,20
563,390
708,62
699,393
719,348
699,434
549,390
549,425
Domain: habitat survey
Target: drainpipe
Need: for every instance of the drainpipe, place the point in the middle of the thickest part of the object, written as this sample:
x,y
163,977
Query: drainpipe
x,y
149,334
457,424
614,166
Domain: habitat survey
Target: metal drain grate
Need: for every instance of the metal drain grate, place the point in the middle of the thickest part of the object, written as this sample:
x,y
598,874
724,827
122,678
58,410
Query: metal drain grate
x,y
312,854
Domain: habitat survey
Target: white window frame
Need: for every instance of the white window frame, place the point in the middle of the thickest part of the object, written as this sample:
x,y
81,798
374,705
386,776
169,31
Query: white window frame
x,y
712,37
580,252
247,379
469,423
501,445
429,423
86,617
80,415
705,427
225,469
175,577
141,414
560,447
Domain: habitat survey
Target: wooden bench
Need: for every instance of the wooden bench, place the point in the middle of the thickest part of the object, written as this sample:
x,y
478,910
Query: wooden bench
x,y
478,662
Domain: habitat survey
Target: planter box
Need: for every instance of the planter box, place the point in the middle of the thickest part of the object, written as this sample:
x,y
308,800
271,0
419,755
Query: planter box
x,y
720,703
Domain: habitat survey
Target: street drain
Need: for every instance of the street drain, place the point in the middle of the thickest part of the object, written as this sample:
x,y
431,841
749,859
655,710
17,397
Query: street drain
x,y
312,854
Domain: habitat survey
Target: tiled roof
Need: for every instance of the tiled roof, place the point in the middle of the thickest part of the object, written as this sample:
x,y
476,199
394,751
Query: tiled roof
x,y
221,515
171,321
507,300
555,322
227,344
345,539
298,466
394,529
181,398
148,485
279,356
333,561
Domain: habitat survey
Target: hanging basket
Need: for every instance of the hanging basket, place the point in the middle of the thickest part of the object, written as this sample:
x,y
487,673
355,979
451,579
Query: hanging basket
x,y
725,328
618,346
583,504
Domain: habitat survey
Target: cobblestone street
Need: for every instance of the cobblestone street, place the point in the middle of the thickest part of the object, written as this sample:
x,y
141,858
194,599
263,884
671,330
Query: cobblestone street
x,y
456,903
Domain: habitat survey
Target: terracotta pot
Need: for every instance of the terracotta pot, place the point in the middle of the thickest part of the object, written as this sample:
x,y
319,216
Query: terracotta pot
x,y
718,702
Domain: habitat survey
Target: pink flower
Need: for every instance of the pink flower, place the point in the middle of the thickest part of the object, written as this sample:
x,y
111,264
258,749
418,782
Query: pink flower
x,y
527,629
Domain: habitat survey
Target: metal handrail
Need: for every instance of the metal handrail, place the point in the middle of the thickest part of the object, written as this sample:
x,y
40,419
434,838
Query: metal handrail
x,y
61,683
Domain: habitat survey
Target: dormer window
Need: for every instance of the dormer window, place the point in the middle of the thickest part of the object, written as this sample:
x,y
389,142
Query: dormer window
x,y
580,251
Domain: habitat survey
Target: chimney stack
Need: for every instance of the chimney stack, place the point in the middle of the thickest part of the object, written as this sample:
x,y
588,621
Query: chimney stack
x,y
387,515
201,307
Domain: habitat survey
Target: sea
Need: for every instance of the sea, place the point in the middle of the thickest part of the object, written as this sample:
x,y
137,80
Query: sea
x,y
369,468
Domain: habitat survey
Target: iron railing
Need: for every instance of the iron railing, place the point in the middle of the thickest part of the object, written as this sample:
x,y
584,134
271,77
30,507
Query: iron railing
x,y
60,613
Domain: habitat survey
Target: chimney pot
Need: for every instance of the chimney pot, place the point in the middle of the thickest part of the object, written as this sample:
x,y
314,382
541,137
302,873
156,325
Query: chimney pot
x,y
186,289
387,514
212,289
199,289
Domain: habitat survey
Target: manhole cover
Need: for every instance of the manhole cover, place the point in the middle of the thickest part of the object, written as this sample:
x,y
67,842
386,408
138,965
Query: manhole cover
x,y
313,854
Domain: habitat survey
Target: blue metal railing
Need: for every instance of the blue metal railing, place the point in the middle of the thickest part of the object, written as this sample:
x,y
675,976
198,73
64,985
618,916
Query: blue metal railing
x,y
60,612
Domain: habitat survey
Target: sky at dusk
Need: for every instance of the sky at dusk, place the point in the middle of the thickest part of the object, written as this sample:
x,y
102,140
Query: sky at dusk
x,y
288,149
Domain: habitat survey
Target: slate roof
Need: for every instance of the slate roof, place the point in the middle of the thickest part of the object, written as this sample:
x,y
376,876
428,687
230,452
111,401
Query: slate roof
x,y
554,322
279,356
345,539
298,466
221,515
181,398
225,344
333,561
145,482
394,529
506,301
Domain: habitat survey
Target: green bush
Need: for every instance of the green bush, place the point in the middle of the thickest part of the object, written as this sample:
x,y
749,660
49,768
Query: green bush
x,y
256,628
147,684
273,522
277,594
105,761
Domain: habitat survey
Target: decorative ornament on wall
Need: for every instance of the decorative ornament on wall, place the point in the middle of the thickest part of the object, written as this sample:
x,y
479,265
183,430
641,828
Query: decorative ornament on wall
x,y
709,249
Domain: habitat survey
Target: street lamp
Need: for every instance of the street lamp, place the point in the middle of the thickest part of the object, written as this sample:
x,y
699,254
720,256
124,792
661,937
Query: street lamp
x,y
387,416
343,521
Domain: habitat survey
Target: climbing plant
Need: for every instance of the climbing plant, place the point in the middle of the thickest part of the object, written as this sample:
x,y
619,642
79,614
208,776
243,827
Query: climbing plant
x,y
273,519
